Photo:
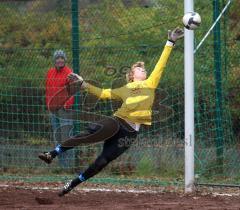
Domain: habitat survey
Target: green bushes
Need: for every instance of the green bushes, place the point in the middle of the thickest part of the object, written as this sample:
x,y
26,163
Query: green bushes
x,y
112,35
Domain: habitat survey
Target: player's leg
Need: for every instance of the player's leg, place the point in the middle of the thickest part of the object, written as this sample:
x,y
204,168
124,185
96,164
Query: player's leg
x,y
48,157
112,149
96,132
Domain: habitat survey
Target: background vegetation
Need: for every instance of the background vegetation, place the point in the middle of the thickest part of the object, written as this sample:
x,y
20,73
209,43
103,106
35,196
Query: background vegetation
x,y
113,36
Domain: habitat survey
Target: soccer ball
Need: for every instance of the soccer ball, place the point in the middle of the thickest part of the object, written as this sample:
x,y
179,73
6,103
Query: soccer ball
x,y
191,20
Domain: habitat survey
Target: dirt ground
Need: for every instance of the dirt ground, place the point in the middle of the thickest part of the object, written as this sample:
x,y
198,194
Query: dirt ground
x,y
29,198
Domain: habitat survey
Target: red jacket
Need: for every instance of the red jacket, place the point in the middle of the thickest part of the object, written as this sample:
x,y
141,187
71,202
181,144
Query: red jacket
x,y
55,80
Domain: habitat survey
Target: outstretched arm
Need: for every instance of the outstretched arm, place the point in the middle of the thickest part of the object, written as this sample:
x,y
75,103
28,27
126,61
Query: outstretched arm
x,y
104,93
155,76
100,93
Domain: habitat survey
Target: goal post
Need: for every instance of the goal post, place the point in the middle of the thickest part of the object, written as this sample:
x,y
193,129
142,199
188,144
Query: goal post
x,y
189,102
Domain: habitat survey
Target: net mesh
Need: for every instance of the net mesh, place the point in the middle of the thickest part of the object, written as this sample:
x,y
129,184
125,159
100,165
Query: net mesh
x,y
114,35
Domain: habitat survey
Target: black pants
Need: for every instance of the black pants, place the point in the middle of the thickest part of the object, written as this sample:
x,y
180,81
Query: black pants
x,y
113,147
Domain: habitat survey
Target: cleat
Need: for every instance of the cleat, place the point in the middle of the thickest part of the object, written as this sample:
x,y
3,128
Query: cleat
x,y
46,157
69,186
66,189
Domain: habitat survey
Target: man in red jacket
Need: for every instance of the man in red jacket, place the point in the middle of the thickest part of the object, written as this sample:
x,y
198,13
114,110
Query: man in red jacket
x,y
62,127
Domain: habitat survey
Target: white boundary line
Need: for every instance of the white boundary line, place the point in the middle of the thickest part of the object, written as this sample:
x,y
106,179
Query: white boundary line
x,y
226,194
86,189
215,194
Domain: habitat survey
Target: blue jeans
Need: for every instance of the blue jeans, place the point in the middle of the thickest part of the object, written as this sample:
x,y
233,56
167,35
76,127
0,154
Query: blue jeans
x,y
63,130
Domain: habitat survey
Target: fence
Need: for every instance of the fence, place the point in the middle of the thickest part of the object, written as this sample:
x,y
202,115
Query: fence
x,y
112,36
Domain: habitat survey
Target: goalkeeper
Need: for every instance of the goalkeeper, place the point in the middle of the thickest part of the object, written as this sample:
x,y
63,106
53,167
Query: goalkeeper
x,y
137,97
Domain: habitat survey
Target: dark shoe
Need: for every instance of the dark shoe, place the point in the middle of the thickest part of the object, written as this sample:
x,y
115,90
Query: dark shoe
x,y
69,186
46,157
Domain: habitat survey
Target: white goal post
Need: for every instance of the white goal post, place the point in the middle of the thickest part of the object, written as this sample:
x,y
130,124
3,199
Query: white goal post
x,y
189,101
189,93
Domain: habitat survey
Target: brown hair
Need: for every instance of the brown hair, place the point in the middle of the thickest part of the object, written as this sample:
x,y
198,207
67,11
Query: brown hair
x,y
129,75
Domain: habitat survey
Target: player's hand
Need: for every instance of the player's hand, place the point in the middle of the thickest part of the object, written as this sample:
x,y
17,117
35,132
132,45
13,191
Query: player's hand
x,y
175,34
78,80
75,77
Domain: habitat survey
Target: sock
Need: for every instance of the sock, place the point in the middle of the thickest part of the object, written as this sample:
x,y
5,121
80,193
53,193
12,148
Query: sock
x,y
81,178
59,150
56,151
77,181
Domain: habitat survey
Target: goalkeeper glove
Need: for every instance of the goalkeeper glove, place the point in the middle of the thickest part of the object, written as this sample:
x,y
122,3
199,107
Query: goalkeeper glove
x,y
175,34
78,80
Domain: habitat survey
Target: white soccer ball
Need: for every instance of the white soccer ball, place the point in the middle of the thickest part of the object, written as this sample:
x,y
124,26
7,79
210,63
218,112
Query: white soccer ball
x,y
191,20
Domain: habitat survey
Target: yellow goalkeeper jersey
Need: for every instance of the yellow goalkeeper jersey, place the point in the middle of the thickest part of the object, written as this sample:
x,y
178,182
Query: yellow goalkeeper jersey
x,y
138,96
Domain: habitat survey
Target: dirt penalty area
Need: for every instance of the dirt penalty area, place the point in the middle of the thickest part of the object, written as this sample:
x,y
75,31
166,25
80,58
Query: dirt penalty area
x,y
22,196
